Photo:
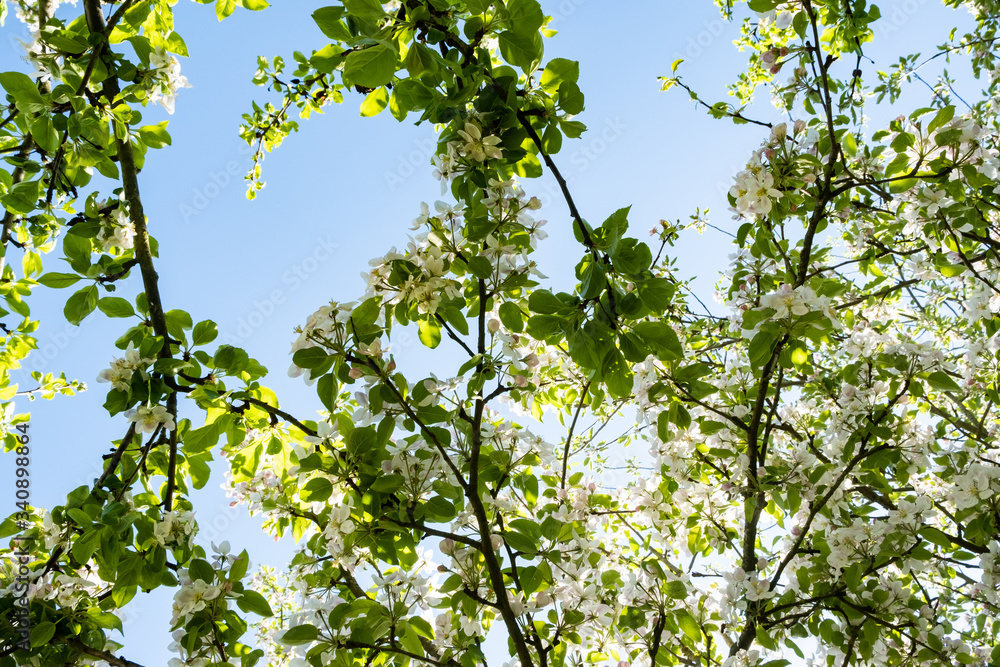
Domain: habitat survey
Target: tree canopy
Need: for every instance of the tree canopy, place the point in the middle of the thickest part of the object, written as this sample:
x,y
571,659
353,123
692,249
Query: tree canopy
x,y
819,477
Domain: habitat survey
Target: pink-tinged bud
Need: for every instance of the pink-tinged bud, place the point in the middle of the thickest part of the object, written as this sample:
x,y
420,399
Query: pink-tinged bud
x,y
769,153
796,530
496,541
442,568
592,487
391,367
387,466
783,52
779,131
769,57
761,471
777,68
809,178
726,486
531,360
493,325
761,563
356,372
800,72
800,126
793,208
447,546
520,381
543,599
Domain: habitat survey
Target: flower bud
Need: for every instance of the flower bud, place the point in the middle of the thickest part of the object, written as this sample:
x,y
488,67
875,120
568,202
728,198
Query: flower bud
x,y
769,153
769,56
447,546
777,68
543,599
493,325
534,203
779,131
356,372
496,540
800,126
520,381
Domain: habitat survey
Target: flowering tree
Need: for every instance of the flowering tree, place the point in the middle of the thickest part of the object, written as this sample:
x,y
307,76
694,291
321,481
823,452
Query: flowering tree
x,y
821,476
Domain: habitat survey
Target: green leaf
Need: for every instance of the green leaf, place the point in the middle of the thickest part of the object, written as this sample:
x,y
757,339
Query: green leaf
x,y
300,634
224,8
200,569
42,633
317,490
23,89
204,332
310,357
59,280
521,49
81,304
661,338
656,294
688,625
571,99
174,43
201,439
511,317
371,67
544,302
375,102
525,16
368,10
559,70
430,333
253,602
115,306
329,21
676,590
942,382
155,136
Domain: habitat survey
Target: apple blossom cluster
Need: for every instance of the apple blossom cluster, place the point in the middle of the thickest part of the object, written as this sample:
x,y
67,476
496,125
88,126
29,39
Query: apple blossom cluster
x,y
754,191
326,324
165,78
149,418
193,596
468,151
116,229
176,529
122,369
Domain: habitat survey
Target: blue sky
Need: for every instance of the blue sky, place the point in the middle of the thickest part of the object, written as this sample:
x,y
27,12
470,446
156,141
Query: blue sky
x,y
345,188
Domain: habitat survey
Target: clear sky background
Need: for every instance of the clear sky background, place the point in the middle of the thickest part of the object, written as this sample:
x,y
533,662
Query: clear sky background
x,y
345,189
